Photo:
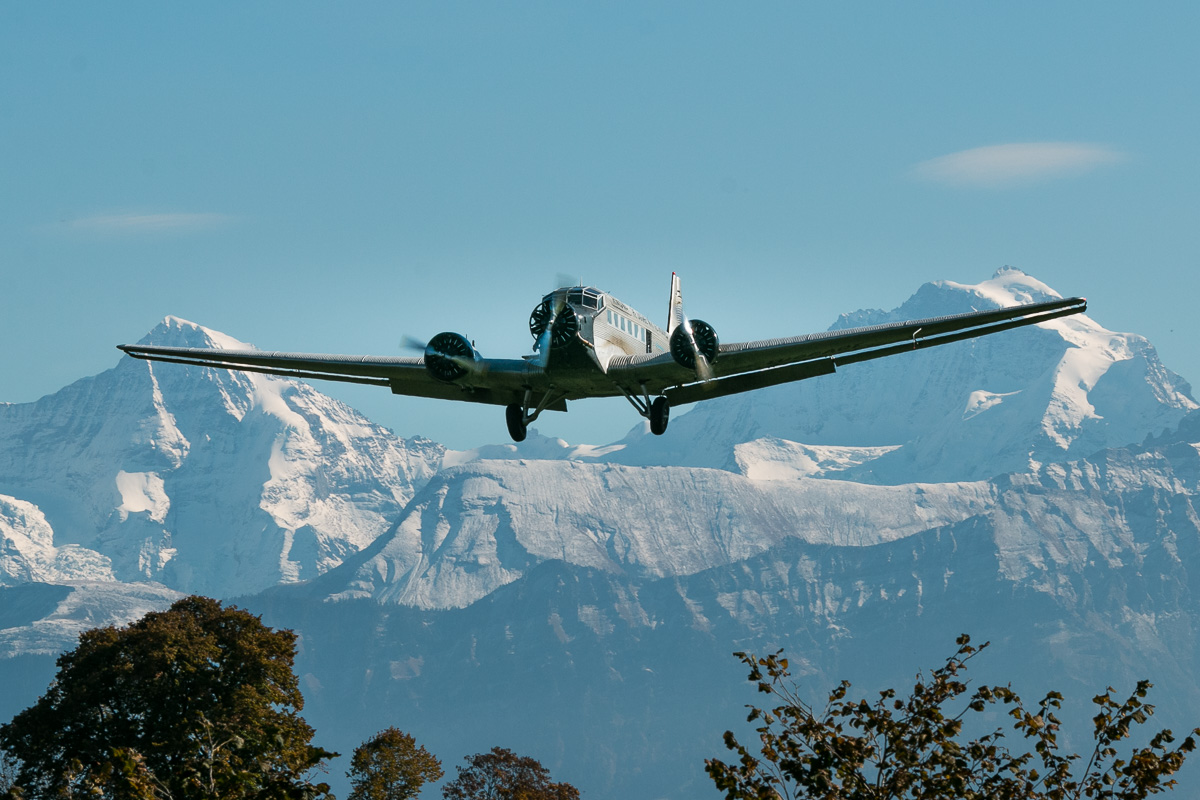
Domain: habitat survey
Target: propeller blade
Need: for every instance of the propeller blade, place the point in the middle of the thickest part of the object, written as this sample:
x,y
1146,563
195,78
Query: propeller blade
x,y
703,368
413,343
543,343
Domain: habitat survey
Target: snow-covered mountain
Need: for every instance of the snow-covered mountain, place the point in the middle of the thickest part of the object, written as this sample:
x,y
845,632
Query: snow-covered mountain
x,y
203,480
579,603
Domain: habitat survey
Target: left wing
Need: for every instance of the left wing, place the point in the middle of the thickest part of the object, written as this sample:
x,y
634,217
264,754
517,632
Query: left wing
x,y
495,381
743,366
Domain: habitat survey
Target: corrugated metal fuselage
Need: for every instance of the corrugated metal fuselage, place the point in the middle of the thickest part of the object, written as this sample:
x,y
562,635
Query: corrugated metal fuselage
x,y
608,331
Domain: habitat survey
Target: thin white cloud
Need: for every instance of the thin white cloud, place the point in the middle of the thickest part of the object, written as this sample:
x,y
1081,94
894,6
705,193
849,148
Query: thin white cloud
x,y
135,223
1005,165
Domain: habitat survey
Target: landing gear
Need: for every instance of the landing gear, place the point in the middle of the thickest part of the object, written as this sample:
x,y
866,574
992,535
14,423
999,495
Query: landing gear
x,y
657,411
519,415
660,414
514,415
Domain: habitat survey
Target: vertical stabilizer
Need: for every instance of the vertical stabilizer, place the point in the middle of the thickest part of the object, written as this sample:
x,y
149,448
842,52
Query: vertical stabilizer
x,y
675,311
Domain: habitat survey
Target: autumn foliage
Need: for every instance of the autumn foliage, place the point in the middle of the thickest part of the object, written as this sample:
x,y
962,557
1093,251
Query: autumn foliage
x,y
913,747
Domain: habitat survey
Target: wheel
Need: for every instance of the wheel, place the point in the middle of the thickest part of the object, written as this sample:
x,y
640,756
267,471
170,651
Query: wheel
x,y
660,413
514,415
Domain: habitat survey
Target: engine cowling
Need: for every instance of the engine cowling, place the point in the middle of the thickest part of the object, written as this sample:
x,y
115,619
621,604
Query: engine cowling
x,y
449,356
566,324
706,342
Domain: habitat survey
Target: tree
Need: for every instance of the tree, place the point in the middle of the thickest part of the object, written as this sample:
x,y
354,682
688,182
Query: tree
x,y
8,777
503,775
391,766
912,748
198,701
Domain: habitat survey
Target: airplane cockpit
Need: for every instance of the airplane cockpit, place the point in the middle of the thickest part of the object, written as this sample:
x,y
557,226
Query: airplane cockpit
x,y
580,296
565,312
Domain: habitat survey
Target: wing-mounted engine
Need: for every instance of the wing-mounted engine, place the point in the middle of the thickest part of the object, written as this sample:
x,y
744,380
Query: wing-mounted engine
x,y
450,356
691,338
564,322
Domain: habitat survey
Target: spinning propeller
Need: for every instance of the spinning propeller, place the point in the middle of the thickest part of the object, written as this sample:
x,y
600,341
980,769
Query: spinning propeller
x,y
555,306
448,356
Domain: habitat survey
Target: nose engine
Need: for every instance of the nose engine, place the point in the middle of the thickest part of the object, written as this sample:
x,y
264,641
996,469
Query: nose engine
x,y
566,323
449,356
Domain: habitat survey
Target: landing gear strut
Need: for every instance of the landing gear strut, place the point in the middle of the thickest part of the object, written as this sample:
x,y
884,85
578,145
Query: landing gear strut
x,y
658,411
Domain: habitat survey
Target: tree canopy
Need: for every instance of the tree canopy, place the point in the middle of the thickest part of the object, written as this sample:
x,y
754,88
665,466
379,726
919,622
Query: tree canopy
x,y
912,747
503,775
391,766
198,701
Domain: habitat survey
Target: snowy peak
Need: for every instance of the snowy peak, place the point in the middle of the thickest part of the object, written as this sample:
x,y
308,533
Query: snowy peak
x,y
203,479
1008,287
178,332
1049,392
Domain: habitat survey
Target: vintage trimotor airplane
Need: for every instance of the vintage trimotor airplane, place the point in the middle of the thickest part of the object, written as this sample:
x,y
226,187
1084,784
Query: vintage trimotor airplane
x,y
588,343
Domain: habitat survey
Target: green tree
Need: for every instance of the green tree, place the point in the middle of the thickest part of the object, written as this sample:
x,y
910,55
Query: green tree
x,y
8,777
391,766
503,775
912,747
198,701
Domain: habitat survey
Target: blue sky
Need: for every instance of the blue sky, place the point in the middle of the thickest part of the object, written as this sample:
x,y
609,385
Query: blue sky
x,y
333,177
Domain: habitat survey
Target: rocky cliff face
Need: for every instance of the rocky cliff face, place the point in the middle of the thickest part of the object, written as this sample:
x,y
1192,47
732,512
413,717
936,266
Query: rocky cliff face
x,y
1035,488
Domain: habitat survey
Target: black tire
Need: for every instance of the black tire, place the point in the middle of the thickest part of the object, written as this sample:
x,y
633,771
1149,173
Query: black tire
x,y
660,414
514,415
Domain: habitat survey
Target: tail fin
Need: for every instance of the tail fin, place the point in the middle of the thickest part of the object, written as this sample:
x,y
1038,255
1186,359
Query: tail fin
x,y
675,311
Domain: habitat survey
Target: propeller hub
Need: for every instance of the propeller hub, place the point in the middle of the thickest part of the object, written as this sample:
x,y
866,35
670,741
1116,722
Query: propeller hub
x,y
694,338
563,325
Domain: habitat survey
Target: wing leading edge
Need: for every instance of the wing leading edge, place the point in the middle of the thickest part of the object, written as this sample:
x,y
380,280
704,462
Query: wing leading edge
x,y
744,366
494,381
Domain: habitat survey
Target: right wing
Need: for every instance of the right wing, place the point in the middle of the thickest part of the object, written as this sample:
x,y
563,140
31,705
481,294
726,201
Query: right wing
x,y
495,381
743,366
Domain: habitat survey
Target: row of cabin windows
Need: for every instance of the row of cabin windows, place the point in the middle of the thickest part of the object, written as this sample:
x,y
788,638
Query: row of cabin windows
x,y
632,328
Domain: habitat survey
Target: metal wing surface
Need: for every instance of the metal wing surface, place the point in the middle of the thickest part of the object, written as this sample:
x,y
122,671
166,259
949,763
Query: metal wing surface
x,y
743,366
490,380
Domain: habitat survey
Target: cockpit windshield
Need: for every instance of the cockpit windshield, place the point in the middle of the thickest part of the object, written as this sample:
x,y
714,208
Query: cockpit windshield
x,y
581,297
